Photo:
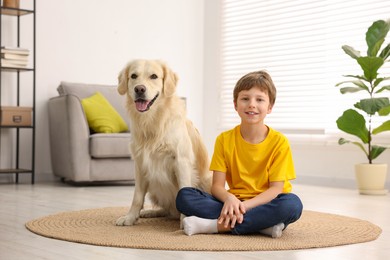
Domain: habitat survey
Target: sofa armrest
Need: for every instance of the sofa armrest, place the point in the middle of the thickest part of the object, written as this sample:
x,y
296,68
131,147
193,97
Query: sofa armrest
x,y
69,138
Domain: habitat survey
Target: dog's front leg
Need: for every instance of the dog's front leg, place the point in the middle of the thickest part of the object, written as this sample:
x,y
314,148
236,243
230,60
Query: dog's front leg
x,y
183,176
137,204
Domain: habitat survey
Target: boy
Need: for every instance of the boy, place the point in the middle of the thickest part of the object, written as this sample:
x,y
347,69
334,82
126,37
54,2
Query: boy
x,y
256,162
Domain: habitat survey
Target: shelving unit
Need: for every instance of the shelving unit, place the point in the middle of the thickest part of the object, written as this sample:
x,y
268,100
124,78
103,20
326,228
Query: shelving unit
x,y
17,169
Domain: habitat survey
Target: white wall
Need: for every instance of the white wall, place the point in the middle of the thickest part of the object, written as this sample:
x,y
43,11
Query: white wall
x,y
91,40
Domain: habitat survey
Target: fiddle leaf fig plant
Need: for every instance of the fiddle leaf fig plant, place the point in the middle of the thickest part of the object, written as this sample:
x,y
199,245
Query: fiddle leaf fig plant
x,y
357,121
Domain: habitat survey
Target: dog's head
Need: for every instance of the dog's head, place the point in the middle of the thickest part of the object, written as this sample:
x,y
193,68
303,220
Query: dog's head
x,y
146,81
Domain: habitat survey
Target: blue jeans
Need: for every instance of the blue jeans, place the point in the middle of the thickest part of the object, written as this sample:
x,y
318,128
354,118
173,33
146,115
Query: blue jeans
x,y
285,208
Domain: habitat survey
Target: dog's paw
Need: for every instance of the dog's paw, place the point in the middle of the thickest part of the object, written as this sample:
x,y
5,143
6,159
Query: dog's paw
x,y
126,220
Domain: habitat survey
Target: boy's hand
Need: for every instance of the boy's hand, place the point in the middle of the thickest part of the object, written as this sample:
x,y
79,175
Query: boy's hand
x,y
232,212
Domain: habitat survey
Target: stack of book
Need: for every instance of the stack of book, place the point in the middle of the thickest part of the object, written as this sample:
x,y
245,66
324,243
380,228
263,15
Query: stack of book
x,y
14,57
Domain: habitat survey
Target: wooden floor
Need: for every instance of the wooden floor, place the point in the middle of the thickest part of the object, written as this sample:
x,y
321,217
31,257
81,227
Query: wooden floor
x,y
20,203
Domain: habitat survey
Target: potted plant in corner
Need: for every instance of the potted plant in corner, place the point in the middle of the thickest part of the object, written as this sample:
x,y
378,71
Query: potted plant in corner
x,y
370,177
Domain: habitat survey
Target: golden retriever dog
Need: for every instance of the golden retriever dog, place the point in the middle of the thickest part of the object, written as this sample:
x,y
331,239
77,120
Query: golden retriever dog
x,y
167,149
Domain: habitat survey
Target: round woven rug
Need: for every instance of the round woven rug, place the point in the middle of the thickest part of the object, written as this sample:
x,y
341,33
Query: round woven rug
x,y
97,227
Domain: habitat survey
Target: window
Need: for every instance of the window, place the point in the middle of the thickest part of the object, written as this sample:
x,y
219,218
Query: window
x,y
299,44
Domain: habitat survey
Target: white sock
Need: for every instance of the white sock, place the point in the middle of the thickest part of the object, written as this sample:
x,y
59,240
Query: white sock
x,y
275,231
195,225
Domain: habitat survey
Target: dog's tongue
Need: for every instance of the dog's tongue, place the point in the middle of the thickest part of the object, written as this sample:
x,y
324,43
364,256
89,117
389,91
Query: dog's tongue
x,y
141,105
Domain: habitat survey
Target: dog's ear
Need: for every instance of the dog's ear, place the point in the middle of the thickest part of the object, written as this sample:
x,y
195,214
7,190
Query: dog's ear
x,y
122,80
169,81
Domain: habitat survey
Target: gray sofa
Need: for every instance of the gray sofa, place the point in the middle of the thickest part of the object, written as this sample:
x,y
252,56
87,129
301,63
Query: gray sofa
x,y
77,155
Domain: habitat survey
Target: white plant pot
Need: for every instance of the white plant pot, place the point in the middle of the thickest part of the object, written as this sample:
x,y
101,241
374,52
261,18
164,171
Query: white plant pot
x,y
371,178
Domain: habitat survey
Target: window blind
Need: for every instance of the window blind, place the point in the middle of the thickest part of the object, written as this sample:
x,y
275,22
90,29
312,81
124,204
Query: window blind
x,y
299,44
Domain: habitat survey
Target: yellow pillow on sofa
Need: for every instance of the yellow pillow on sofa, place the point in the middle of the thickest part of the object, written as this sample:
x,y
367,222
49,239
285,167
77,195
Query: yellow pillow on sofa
x,y
101,116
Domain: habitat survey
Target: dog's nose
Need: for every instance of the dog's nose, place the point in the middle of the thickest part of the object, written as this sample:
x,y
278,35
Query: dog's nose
x,y
140,89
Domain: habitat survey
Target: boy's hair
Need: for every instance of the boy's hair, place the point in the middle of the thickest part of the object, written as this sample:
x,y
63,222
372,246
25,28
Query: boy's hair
x,y
259,79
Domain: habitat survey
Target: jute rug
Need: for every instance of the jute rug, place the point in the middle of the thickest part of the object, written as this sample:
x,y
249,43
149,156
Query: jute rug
x,y
97,227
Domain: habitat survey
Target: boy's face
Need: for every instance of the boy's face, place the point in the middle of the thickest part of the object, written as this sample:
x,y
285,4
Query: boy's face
x,y
253,105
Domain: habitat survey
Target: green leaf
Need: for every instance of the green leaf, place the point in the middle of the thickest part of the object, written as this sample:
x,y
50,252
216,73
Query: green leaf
x,y
383,127
351,51
384,111
372,105
383,89
359,83
385,53
379,80
355,76
370,66
375,36
353,123
349,90
376,151
360,145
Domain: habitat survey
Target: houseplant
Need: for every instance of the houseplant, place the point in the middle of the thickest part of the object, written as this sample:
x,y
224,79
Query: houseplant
x,y
358,121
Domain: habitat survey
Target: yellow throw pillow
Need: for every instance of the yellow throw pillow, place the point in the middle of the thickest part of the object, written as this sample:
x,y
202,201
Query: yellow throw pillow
x,y
101,116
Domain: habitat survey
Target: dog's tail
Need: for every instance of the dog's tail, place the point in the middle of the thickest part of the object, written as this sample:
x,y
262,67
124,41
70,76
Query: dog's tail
x,y
201,157
206,181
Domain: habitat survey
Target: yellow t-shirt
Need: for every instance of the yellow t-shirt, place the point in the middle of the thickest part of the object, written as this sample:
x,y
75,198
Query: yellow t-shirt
x,y
250,167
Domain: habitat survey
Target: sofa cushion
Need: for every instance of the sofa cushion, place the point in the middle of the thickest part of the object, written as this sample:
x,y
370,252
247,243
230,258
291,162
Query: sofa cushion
x,y
101,116
110,145
110,92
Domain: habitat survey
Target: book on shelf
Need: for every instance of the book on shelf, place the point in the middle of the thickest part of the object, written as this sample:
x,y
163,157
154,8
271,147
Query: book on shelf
x,y
13,63
17,62
14,57
11,56
15,50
